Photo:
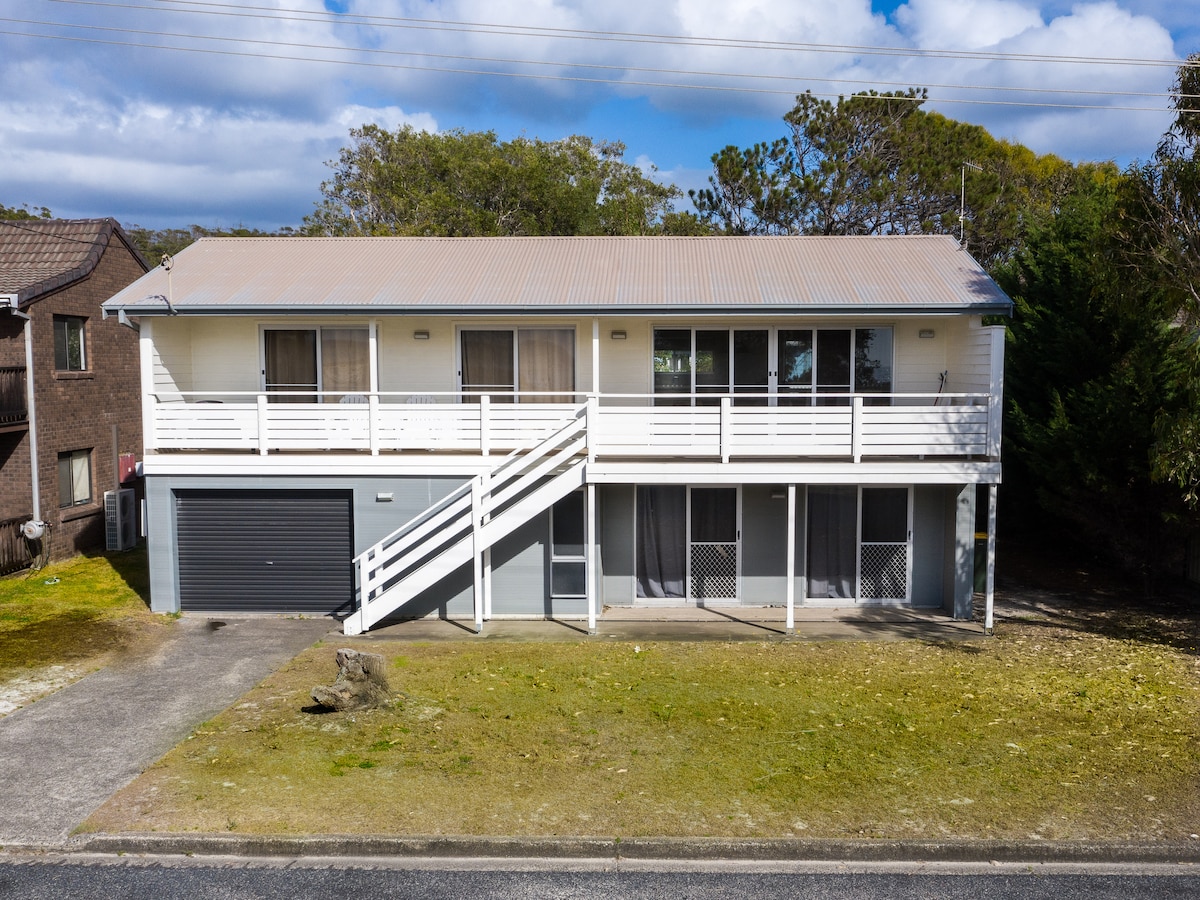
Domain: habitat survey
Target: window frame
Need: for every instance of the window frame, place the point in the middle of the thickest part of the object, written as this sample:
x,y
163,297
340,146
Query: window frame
x,y
72,458
62,343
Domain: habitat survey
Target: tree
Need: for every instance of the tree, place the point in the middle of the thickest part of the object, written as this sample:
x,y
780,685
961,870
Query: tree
x,y
1094,362
15,214
879,164
1161,242
458,183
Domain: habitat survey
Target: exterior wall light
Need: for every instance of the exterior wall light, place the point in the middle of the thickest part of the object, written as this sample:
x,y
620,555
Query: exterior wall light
x,y
617,335
925,333
420,335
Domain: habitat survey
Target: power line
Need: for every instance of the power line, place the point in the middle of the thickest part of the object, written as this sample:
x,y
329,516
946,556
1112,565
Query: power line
x,y
329,17
569,65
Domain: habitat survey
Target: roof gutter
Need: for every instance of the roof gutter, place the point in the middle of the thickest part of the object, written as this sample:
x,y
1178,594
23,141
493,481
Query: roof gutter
x,y
741,311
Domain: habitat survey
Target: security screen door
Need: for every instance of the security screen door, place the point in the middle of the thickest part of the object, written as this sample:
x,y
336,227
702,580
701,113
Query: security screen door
x,y
688,542
859,543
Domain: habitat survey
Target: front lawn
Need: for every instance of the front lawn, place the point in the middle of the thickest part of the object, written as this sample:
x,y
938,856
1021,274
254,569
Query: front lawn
x,y
1037,732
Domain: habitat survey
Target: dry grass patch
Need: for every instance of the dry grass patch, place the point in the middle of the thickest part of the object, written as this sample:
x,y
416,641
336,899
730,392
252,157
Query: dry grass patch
x,y
1035,733
68,619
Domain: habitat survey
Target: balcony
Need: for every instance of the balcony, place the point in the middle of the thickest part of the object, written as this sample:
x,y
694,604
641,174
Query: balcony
x,y
741,427
14,407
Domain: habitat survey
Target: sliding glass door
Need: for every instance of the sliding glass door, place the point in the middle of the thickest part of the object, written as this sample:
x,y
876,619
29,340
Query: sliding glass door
x,y
307,365
529,364
688,543
787,366
859,544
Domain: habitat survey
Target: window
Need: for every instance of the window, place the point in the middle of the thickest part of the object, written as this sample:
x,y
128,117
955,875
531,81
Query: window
x,y
69,350
335,361
798,366
534,365
568,564
74,478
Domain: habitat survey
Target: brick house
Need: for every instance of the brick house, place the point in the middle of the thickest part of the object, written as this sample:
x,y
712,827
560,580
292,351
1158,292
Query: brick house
x,y
68,384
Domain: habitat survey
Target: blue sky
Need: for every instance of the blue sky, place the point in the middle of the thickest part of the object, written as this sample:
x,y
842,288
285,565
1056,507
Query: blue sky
x,y
173,112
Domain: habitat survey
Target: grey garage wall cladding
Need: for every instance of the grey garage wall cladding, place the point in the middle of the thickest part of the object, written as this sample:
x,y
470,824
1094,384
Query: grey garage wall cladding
x,y
265,550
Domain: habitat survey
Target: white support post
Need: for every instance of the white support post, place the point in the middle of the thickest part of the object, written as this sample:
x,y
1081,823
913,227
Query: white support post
x,y
856,417
791,559
595,355
996,392
149,398
487,584
477,551
990,586
262,424
485,445
726,409
593,576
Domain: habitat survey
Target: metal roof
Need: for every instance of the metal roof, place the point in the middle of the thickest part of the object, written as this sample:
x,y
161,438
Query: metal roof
x,y
272,275
38,256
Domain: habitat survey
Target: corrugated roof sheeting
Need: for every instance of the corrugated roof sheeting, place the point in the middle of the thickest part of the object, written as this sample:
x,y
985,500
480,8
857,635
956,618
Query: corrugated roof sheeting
x,y
530,274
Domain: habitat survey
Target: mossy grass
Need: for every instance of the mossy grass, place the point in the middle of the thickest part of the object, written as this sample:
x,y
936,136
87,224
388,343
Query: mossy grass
x,y
1037,732
74,611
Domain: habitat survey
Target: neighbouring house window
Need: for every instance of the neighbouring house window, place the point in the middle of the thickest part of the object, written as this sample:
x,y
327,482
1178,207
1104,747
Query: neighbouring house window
x,y
69,351
568,563
322,365
74,478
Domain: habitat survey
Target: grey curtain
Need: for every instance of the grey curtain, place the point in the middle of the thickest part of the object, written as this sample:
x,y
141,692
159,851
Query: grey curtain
x,y
832,542
661,541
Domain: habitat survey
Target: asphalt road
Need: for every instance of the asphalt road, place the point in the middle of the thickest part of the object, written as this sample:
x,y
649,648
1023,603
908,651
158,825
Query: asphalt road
x,y
34,878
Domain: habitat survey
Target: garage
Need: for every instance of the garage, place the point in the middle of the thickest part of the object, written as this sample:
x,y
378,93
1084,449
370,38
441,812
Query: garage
x,y
273,551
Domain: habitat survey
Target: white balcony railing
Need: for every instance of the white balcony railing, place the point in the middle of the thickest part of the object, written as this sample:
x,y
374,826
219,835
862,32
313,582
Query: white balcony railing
x,y
619,425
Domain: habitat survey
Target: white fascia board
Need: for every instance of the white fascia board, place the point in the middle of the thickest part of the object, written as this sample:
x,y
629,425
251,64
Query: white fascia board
x,y
602,472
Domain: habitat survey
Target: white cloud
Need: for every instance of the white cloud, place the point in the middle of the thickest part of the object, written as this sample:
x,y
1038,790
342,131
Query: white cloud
x,y
172,136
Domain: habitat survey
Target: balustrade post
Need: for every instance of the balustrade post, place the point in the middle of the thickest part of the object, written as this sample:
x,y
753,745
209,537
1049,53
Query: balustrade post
x,y
485,443
856,418
590,423
373,422
262,424
726,424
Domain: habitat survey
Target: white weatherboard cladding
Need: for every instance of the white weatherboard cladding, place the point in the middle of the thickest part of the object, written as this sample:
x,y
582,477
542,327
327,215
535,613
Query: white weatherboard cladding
x,y
919,361
417,366
172,357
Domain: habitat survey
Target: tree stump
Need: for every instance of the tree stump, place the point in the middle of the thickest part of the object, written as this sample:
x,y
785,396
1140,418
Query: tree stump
x,y
361,682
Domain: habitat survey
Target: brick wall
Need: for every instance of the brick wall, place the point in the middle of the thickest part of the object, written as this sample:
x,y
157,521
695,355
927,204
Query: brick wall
x,y
78,410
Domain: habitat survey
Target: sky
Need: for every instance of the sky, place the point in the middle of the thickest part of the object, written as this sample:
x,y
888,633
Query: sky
x,y
169,113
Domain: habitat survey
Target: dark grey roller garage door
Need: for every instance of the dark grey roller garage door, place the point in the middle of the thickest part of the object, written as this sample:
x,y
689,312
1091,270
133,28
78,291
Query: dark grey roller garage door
x,y
265,551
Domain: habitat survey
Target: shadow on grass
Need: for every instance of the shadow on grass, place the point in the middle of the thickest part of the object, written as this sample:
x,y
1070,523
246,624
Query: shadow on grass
x,y
64,638
1039,590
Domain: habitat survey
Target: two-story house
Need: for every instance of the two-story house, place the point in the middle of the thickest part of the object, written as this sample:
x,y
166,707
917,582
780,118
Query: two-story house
x,y
69,388
525,427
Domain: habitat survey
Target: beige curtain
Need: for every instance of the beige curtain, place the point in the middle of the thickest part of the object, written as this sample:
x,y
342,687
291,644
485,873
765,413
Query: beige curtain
x,y
547,358
345,362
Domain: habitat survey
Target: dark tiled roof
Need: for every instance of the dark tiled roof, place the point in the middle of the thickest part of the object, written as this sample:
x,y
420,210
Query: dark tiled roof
x,y
42,255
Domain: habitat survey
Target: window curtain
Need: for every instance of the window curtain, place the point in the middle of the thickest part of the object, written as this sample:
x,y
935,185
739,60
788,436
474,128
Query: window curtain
x,y
661,541
547,363
345,362
487,365
832,542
